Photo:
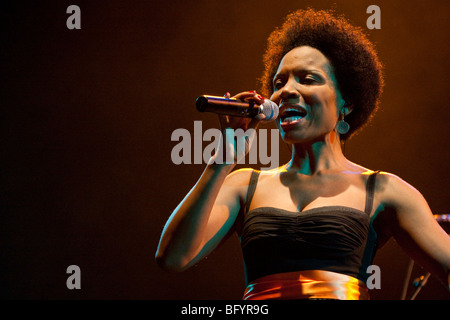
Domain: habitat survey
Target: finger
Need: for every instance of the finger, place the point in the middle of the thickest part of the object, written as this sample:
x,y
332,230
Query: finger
x,y
224,121
254,122
245,94
227,121
250,96
260,99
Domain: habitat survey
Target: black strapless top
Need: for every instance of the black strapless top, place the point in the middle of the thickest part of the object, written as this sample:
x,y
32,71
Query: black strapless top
x,y
332,238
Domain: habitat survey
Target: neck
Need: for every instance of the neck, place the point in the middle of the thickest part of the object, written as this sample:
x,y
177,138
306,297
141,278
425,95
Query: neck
x,y
319,156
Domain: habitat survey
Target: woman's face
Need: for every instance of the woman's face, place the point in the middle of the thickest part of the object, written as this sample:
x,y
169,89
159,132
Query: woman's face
x,y
306,91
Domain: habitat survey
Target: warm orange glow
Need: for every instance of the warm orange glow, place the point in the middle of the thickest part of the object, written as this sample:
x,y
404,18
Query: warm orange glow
x,y
310,284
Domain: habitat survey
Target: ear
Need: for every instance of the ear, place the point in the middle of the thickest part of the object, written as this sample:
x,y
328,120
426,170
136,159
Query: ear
x,y
347,107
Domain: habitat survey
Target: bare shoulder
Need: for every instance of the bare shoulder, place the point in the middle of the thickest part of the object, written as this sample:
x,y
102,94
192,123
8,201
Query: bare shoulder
x,y
236,183
400,207
410,221
239,178
396,193
242,176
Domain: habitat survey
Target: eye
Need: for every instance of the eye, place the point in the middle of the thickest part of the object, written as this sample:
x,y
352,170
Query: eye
x,y
278,84
309,79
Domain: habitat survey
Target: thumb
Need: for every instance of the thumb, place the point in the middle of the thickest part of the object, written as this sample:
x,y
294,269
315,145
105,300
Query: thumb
x,y
254,122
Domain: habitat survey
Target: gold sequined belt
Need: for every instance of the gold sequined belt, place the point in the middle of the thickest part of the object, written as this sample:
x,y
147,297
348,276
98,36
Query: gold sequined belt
x,y
309,284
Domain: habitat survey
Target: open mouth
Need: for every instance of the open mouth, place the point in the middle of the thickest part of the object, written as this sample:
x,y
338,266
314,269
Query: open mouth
x,y
290,115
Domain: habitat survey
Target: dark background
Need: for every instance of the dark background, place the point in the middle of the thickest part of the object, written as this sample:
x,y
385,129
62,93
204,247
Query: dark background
x,y
87,116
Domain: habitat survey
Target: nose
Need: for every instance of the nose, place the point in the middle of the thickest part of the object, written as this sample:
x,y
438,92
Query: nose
x,y
289,90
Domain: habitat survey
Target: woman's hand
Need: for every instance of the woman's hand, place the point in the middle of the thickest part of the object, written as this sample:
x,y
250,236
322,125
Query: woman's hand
x,y
235,143
207,214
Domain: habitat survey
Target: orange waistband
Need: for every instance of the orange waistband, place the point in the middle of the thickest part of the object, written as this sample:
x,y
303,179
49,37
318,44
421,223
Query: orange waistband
x,y
309,284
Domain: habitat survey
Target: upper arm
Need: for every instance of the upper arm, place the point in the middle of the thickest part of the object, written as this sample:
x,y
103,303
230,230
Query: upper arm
x,y
225,212
414,227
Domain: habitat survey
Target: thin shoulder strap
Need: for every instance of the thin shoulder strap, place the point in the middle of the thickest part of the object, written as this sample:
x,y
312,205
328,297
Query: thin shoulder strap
x,y
251,188
370,191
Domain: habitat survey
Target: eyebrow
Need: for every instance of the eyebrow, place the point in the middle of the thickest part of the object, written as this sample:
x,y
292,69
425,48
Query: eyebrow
x,y
314,71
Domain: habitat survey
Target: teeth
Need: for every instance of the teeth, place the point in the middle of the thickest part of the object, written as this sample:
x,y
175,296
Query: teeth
x,y
291,115
291,119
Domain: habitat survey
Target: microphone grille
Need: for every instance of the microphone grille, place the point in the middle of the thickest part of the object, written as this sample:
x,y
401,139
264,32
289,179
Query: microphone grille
x,y
270,110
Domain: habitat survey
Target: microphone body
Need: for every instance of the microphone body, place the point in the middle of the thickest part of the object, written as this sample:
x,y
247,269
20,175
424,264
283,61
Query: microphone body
x,y
236,108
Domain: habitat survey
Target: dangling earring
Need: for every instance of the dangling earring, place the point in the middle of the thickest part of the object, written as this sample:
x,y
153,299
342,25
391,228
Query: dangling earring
x,y
342,127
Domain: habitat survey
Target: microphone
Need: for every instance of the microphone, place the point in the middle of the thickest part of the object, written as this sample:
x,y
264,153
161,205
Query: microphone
x,y
237,108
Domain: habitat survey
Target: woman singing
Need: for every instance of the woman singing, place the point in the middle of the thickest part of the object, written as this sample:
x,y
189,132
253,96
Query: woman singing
x,y
310,228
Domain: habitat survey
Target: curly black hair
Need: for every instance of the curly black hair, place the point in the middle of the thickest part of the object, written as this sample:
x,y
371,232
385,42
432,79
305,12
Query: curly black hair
x,y
356,65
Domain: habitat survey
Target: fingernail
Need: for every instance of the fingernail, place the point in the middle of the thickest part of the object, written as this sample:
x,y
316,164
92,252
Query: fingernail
x,y
261,97
253,91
